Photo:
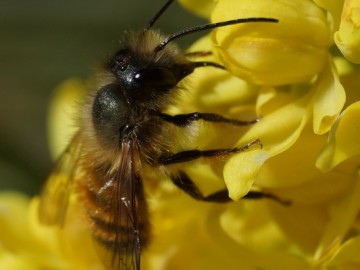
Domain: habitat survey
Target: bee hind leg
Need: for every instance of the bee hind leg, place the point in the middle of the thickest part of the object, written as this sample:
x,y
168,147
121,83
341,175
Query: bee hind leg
x,y
183,181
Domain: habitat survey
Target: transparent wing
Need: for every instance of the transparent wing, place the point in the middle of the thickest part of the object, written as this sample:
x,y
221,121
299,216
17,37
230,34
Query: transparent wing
x,y
55,194
127,223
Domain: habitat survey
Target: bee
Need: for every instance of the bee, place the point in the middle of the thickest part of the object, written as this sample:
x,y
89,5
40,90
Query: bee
x,y
122,129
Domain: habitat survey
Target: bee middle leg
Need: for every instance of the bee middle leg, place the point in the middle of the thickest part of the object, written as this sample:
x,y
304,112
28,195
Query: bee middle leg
x,y
189,155
182,120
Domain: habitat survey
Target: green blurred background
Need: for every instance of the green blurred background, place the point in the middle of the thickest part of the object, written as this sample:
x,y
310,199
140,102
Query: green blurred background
x,y
44,42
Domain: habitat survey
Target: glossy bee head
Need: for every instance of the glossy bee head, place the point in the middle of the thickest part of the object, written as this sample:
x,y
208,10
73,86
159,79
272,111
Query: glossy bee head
x,y
144,73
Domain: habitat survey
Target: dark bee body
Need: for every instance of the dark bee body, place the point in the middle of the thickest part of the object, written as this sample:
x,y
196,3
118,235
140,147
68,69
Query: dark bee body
x,y
122,128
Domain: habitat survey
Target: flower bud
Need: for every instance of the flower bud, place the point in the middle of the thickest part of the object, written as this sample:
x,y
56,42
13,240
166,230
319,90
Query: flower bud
x,y
290,51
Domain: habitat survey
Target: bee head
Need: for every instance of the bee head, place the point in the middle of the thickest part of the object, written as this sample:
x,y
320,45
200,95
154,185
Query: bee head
x,y
146,74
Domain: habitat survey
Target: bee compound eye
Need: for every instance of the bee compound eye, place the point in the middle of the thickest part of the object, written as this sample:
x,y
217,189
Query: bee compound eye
x,y
110,110
156,77
120,61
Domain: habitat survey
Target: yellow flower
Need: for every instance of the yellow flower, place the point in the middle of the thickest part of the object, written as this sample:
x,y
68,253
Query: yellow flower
x,y
308,101
291,51
25,245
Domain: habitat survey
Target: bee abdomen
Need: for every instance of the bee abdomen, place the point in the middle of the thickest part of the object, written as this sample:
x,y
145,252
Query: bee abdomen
x,y
111,235
115,226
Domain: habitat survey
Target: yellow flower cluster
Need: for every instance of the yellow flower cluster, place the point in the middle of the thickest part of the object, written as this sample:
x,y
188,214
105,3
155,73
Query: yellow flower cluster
x,y
307,95
292,75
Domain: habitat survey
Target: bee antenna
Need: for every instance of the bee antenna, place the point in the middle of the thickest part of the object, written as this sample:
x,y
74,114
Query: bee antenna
x,y
210,26
158,15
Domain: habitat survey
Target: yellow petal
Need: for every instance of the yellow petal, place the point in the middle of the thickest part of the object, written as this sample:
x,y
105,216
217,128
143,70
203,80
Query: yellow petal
x,y
317,187
342,216
328,100
62,113
240,172
31,249
215,90
347,256
278,131
218,237
15,230
349,77
348,37
302,224
344,139
296,155
334,7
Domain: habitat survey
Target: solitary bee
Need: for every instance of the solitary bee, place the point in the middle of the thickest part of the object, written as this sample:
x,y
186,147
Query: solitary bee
x,y
123,128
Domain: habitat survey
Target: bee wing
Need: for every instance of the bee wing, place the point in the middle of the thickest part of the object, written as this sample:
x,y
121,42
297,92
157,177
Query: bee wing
x,y
127,211
56,191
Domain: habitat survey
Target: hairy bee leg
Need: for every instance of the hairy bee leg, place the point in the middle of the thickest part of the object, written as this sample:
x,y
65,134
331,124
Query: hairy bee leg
x,y
185,156
183,120
183,181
